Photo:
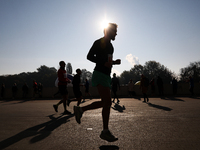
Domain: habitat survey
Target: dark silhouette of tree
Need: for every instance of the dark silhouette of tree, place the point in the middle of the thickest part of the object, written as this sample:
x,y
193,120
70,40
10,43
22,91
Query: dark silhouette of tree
x,y
151,69
44,75
193,69
133,74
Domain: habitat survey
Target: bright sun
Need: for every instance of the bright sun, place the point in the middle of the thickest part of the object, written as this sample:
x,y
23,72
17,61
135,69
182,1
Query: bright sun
x,y
104,24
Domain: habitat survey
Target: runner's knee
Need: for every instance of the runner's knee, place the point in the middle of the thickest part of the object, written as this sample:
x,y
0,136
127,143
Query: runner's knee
x,y
107,103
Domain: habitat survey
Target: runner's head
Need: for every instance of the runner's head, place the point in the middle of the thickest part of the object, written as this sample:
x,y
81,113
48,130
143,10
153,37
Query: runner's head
x,y
62,64
78,71
111,31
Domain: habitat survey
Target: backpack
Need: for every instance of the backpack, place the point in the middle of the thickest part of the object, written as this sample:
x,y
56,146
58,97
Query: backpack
x,y
146,82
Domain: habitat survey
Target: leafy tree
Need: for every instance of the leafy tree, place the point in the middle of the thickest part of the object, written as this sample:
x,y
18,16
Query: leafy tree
x,y
136,72
151,69
133,74
44,75
192,70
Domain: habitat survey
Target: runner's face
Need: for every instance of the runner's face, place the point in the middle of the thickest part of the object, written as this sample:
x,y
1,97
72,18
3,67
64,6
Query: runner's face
x,y
113,33
63,65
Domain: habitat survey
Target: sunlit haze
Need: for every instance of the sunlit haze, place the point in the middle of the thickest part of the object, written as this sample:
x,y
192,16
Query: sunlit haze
x,y
35,33
104,24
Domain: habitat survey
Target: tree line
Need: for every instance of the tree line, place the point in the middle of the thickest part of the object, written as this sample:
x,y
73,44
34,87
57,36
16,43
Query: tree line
x,y
151,69
44,75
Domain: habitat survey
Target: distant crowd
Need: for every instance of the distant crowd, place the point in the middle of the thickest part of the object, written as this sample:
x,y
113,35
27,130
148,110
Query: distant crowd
x,y
144,84
37,90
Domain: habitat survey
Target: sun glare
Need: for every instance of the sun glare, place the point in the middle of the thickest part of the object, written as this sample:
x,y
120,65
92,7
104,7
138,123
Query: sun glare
x,y
104,24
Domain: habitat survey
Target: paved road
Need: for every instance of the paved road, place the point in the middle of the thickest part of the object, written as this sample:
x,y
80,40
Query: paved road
x,y
170,123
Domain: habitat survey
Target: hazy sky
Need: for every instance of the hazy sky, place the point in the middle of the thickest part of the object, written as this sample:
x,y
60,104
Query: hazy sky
x,y
43,32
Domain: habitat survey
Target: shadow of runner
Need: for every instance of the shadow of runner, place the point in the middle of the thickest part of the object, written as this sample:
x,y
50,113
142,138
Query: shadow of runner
x,y
39,132
109,147
118,107
172,99
12,102
160,107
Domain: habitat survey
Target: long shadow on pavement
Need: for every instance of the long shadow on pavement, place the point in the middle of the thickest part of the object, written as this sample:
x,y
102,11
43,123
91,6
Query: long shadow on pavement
x,y
172,99
39,132
11,102
109,147
159,107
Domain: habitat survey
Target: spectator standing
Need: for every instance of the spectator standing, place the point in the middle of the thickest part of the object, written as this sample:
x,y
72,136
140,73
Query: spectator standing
x,y
14,90
115,85
35,88
153,87
174,86
191,88
131,91
40,89
87,85
3,90
160,86
144,83
25,90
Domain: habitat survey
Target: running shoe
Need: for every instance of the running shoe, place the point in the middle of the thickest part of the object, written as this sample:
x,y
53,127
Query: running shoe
x,y
108,136
67,112
55,108
78,114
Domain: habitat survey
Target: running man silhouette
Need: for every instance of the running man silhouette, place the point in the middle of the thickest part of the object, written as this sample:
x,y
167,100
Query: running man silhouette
x,y
101,53
87,89
76,88
62,86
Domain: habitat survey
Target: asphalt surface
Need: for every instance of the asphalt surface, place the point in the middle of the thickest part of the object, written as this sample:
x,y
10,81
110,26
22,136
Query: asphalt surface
x,y
170,123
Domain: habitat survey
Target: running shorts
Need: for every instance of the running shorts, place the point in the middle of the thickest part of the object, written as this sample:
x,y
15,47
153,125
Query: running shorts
x,y
63,89
77,92
101,78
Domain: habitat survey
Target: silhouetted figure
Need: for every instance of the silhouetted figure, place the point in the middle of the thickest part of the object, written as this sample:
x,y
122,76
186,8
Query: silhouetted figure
x,y
25,90
40,89
115,85
35,88
87,85
153,87
14,90
101,54
3,90
131,91
191,88
62,86
160,86
144,83
76,87
174,86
